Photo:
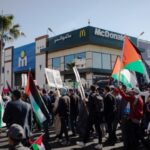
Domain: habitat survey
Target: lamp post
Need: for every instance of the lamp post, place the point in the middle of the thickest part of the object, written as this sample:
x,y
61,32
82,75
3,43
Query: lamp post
x,y
138,38
49,29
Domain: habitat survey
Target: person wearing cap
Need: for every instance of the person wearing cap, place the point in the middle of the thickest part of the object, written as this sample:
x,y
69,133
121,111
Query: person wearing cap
x,y
15,136
19,112
63,110
135,116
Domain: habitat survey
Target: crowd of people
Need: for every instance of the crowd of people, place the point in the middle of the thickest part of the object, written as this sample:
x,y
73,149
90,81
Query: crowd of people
x,y
99,114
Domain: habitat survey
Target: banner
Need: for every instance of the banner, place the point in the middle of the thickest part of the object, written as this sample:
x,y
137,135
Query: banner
x,y
24,79
78,79
53,78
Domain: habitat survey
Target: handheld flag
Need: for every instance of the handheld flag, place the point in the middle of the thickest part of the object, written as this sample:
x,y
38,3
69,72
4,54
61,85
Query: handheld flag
x,y
38,144
40,111
124,76
131,60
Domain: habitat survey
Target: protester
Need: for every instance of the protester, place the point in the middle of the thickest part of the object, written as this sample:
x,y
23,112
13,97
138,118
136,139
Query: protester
x,y
82,116
95,109
47,100
15,136
147,113
74,99
63,111
133,130
46,123
19,112
110,110
57,120
25,97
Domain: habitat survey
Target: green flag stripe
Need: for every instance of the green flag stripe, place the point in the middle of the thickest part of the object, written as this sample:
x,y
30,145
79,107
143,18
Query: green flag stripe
x,y
37,120
136,66
35,147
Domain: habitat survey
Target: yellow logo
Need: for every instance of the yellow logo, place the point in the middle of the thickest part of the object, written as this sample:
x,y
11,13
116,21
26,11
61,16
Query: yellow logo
x,y
82,33
23,54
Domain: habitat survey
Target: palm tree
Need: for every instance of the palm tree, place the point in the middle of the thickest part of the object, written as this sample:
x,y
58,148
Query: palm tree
x,y
8,32
70,66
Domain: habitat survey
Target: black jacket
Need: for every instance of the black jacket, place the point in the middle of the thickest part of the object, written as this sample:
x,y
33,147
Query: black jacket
x,y
74,99
63,106
18,112
109,106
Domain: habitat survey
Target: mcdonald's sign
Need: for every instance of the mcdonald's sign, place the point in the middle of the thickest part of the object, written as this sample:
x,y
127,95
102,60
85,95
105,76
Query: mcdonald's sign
x,y
82,33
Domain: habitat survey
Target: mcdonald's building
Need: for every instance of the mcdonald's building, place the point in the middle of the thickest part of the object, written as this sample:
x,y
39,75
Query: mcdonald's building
x,y
93,51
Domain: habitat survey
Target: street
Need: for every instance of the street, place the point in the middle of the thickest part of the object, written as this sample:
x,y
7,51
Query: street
x,y
57,146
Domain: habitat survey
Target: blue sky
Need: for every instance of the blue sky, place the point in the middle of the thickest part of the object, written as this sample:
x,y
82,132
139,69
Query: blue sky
x,y
35,16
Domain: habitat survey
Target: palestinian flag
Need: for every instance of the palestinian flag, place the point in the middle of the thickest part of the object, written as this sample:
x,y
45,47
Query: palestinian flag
x,y
40,111
38,144
131,60
124,76
2,124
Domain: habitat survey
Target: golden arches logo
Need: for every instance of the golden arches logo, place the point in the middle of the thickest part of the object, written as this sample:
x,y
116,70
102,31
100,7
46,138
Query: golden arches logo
x,y
82,33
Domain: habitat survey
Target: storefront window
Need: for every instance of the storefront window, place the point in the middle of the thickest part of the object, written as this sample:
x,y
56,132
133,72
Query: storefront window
x,y
68,59
56,63
113,60
97,60
78,59
106,61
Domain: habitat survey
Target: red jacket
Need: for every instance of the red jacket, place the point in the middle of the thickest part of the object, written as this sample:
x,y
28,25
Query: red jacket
x,y
136,105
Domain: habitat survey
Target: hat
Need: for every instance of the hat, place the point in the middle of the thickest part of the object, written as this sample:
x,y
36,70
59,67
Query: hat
x,y
63,91
16,132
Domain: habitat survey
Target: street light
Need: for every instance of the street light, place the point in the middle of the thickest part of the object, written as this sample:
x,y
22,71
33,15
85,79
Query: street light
x,y
49,29
138,38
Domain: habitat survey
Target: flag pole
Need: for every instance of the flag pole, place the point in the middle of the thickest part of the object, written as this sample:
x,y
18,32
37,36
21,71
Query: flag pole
x,y
113,69
121,59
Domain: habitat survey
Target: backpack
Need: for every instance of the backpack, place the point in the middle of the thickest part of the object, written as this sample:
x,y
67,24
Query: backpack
x,y
99,103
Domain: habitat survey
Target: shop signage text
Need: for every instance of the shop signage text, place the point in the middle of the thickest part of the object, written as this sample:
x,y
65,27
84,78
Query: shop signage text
x,y
63,37
108,34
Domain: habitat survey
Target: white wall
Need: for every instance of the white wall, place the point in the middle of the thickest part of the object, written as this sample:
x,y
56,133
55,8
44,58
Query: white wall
x,y
40,61
8,73
40,65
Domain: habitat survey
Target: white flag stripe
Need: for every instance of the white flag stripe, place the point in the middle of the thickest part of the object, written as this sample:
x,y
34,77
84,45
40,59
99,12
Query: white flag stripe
x,y
130,76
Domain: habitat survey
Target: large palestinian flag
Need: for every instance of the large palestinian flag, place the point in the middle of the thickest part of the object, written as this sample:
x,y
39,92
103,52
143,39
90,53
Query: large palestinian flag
x,y
131,60
38,144
40,111
124,76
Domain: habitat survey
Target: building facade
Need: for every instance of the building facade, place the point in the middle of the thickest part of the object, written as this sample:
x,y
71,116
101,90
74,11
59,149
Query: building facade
x,y
92,50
